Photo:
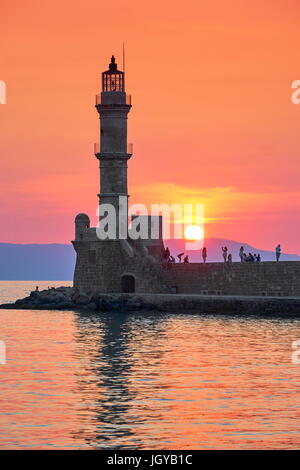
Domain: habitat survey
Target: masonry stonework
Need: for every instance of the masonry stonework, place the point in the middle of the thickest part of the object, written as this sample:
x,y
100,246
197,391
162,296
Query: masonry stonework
x,y
263,279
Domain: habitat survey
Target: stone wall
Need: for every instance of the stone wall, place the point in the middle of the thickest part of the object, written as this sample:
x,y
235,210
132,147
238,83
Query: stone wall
x,y
267,278
100,266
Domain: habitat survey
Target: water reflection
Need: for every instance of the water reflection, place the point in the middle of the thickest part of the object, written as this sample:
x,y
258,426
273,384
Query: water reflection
x,y
171,381
109,342
147,381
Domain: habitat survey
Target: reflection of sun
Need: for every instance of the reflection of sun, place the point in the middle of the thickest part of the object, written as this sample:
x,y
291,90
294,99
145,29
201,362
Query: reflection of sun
x,y
193,232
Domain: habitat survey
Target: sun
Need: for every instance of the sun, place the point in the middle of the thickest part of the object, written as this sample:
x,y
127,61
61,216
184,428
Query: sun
x,y
193,232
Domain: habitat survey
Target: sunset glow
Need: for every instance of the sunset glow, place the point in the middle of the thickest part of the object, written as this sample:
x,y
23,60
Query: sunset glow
x,y
193,232
212,120
149,229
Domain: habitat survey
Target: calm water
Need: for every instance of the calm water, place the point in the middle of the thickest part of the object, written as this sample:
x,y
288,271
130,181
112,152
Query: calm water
x,y
146,381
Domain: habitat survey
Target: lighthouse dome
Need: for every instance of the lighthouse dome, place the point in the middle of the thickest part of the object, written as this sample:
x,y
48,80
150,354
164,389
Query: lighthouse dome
x,y
82,219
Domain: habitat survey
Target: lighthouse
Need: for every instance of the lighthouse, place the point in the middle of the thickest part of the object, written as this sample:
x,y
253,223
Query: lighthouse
x,y
116,263
113,152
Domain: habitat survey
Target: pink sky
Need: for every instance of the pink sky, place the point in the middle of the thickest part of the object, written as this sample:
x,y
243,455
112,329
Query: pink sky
x,y
212,119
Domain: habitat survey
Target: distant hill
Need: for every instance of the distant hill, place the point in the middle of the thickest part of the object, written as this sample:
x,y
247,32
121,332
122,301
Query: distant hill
x,y
55,262
49,262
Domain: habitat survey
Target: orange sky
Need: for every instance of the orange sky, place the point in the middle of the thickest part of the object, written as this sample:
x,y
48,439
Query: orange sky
x,y
212,119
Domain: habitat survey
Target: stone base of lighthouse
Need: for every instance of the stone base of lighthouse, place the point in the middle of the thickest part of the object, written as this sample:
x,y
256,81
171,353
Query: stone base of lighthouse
x,y
113,266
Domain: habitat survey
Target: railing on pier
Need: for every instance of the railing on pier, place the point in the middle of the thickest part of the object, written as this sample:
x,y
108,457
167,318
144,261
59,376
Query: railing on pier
x,y
98,99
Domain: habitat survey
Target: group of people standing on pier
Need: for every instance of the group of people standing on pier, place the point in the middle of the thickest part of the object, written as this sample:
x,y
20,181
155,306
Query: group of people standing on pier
x,y
250,258
181,258
227,257
167,256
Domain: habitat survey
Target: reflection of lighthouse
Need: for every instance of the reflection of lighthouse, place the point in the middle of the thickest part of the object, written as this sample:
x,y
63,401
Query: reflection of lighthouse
x,y
113,106
105,385
119,386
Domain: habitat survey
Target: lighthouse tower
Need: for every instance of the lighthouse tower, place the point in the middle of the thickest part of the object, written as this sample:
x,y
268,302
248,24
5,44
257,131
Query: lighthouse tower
x,y
113,106
118,263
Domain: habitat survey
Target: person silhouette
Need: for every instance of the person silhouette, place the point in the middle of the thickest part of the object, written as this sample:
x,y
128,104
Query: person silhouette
x,y
167,253
278,252
225,251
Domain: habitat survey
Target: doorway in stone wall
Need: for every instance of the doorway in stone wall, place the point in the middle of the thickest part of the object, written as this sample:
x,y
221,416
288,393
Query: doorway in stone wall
x,y
128,284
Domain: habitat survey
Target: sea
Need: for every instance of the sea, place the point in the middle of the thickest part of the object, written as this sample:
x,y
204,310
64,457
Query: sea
x,y
73,380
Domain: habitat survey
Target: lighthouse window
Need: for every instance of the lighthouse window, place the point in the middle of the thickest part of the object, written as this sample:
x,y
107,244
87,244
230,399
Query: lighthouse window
x,y
113,82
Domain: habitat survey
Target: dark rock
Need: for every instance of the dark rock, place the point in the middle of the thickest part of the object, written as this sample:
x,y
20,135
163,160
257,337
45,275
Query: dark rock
x,y
148,306
63,305
103,305
31,305
133,306
82,299
56,298
23,301
45,300
75,295
92,306
8,306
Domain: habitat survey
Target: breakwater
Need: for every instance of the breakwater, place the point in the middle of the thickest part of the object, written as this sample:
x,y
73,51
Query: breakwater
x,y
68,298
